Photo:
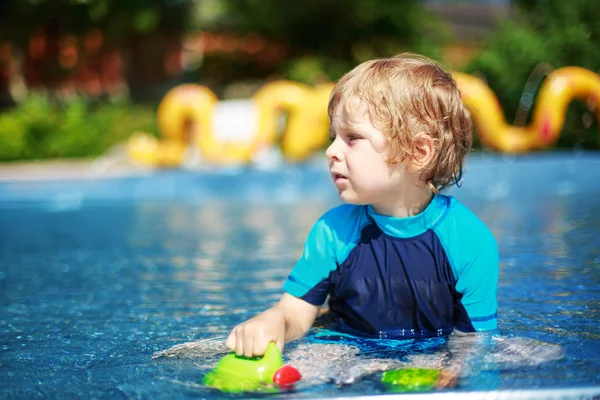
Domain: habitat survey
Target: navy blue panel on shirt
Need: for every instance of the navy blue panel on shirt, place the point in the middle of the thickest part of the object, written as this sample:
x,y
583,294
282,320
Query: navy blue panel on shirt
x,y
394,287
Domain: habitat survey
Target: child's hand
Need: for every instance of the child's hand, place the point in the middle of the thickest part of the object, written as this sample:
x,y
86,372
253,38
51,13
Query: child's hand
x,y
448,378
251,338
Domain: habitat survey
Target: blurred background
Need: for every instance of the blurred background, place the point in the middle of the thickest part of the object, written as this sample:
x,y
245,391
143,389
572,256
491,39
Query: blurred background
x,y
78,77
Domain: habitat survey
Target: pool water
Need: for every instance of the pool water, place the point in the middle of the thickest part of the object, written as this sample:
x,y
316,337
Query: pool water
x,y
98,275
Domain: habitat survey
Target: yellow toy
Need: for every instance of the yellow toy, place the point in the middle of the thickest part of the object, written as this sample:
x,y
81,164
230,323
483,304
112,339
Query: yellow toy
x,y
148,150
186,114
557,91
186,118
307,125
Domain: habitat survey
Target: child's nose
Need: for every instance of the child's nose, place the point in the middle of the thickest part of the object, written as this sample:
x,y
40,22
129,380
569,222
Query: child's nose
x,y
333,152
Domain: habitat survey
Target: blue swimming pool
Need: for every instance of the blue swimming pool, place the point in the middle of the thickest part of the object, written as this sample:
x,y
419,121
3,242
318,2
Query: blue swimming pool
x,y
97,275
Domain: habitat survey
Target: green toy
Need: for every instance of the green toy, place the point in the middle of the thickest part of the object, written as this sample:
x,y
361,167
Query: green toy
x,y
241,374
410,379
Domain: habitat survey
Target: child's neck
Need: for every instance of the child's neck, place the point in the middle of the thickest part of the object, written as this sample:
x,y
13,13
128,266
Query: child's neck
x,y
405,206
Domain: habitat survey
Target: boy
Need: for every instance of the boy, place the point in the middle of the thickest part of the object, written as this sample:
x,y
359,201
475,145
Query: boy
x,y
397,260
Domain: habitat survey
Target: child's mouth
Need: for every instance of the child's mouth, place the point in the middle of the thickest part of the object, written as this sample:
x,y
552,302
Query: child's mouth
x,y
339,178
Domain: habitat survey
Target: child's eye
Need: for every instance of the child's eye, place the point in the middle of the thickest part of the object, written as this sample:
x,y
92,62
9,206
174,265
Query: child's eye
x,y
352,137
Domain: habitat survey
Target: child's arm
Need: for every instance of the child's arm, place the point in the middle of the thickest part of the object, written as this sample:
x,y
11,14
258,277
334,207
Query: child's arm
x,y
462,345
305,288
289,319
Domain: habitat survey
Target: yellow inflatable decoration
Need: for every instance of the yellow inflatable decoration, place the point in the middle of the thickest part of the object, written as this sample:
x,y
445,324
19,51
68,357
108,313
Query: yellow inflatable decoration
x,y
307,125
556,92
148,150
186,121
187,116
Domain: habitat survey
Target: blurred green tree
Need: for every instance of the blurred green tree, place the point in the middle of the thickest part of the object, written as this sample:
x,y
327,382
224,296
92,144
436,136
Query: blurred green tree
x,y
325,38
38,129
141,30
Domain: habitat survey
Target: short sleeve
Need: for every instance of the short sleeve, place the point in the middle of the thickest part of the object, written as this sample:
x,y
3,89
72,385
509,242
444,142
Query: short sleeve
x,y
473,254
328,244
309,277
478,283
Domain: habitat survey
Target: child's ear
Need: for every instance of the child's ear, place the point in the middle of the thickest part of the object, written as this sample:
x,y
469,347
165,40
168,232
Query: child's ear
x,y
423,149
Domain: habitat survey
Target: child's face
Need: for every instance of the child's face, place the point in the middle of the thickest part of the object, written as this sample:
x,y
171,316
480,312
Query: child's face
x,y
358,158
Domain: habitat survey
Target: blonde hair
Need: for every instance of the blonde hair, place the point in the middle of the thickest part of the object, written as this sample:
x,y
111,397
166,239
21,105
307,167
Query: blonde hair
x,y
409,96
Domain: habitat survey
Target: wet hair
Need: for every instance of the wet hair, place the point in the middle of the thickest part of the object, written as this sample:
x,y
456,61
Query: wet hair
x,y
409,96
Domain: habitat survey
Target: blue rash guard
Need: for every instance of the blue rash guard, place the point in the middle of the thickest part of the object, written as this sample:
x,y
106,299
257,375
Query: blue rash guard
x,y
402,278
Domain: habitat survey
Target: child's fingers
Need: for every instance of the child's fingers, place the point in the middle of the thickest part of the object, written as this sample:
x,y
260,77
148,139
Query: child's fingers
x,y
250,339
248,346
280,342
447,379
230,342
239,340
260,345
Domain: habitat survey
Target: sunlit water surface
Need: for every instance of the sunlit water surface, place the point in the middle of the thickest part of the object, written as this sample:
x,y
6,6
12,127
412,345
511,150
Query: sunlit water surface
x,y
97,276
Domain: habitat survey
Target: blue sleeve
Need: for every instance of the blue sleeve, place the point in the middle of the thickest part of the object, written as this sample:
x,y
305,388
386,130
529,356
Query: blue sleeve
x,y
329,242
478,283
473,254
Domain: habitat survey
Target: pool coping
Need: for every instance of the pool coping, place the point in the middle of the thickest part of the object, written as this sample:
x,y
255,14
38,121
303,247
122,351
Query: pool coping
x,y
514,394
67,170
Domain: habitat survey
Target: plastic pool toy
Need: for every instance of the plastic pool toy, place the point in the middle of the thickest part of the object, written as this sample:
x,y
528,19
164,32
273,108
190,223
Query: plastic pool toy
x,y
189,116
241,374
410,379
555,94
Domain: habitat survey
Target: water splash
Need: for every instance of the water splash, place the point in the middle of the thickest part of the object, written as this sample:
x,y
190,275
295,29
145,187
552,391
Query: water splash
x,y
326,357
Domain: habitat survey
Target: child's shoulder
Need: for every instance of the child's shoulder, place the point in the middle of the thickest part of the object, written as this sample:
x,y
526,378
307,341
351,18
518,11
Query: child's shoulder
x,y
344,221
468,242
344,212
462,225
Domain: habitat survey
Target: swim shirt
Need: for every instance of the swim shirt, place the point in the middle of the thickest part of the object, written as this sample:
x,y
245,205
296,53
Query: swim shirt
x,y
413,277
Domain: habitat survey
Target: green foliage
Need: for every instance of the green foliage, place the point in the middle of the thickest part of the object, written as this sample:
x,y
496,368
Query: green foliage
x,y
558,33
40,129
19,18
327,27
326,38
